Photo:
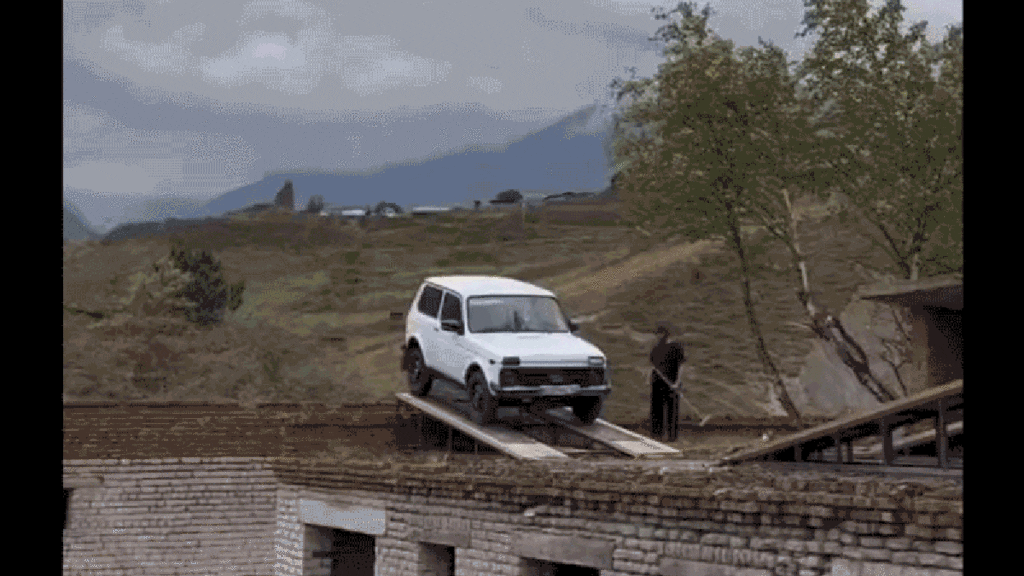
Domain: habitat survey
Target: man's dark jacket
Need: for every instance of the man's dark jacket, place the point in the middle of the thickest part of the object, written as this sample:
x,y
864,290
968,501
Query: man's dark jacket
x,y
666,357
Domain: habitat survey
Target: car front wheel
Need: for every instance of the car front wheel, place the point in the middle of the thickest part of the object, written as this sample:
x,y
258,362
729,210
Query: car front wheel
x,y
419,381
484,405
587,409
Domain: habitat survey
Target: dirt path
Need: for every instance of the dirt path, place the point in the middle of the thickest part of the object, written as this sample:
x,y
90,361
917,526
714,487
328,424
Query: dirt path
x,y
587,290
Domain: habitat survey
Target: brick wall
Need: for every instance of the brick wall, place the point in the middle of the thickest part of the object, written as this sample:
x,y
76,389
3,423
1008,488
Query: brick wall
x,y
169,516
190,429
626,520
186,489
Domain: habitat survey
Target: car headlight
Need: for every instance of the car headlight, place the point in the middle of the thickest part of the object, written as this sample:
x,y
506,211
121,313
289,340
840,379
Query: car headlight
x,y
510,361
595,361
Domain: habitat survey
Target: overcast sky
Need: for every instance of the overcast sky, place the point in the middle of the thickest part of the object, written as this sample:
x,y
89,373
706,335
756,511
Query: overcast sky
x,y
192,98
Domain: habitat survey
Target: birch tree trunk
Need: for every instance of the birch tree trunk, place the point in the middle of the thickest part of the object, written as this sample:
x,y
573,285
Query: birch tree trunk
x,y
755,327
829,328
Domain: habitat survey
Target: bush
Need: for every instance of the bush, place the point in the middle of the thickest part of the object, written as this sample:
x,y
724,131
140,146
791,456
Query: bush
x,y
207,292
158,292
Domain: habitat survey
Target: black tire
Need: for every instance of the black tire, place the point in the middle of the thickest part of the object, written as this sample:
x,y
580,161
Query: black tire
x,y
587,409
419,380
483,404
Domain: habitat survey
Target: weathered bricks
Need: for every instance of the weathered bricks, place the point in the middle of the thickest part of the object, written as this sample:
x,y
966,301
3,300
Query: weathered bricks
x,y
743,518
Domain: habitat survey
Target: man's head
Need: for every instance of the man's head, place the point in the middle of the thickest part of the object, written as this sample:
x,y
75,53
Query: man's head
x,y
664,330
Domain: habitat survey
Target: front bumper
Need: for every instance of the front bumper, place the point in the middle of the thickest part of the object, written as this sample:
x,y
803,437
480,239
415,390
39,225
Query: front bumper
x,y
538,386
566,397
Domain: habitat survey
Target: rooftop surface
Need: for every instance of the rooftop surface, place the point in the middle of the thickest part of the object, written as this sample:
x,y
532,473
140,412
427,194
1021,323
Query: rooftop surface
x,y
489,286
944,291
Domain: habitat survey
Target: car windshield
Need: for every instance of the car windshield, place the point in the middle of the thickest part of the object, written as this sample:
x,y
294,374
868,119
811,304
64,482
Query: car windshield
x,y
515,314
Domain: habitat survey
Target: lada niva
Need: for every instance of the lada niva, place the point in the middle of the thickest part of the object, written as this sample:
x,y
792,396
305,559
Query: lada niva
x,y
506,342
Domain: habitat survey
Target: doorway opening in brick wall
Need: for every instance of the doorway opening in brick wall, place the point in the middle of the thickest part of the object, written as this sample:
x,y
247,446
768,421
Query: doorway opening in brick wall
x,y
337,552
437,560
67,502
535,567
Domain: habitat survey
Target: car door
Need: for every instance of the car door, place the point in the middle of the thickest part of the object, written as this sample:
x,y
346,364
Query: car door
x,y
454,355
428,326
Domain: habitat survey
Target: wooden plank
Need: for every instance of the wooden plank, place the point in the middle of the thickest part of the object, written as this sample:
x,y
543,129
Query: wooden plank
x,y
498,436
891,409
879,468
604,432
885,427
942,440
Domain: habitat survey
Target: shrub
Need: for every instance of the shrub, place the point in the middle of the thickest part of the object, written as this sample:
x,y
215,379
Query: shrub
x,y
207,292
159,291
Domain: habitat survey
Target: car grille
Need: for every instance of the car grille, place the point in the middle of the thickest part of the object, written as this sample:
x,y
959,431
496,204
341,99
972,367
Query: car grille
x,y
550,377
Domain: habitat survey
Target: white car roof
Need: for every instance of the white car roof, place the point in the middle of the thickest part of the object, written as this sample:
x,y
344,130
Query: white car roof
x,y
488,286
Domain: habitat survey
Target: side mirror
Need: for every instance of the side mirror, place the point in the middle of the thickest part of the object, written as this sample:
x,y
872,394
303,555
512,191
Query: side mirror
x,y
573,327
451,326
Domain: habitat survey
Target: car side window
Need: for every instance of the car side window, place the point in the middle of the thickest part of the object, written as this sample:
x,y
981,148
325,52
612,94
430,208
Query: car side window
x,y
430,301
452,309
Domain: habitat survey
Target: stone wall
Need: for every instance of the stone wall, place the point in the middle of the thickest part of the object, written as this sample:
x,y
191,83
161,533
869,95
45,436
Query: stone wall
x,y
169,516
627,520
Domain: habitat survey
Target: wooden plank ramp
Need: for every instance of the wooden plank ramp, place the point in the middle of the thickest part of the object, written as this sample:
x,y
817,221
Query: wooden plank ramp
x,y
603,432
497,436
904,410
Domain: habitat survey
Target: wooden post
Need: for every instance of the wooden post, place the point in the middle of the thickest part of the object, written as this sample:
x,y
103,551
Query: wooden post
x,y
887,451
941,438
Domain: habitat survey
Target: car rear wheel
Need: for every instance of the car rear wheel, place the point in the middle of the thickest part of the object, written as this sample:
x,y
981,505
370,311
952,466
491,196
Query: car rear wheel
x,y
587,409
484,405
419,381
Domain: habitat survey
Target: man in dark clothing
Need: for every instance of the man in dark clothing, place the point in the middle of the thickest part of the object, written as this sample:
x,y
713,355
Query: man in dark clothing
x,y
667,359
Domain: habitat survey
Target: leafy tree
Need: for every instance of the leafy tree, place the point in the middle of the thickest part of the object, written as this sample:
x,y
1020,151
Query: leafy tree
x,y
698,147
382,208
206,289
315,205
895,105
509,196
158,292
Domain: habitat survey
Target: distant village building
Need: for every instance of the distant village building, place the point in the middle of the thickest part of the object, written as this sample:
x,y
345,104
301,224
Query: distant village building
x,y
345,211
429,210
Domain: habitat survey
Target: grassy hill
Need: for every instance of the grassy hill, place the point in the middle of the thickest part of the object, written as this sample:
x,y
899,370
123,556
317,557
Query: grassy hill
x,y
316,321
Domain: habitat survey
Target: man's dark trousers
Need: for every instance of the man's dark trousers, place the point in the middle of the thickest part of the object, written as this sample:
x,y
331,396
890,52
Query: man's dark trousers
x,y
664,410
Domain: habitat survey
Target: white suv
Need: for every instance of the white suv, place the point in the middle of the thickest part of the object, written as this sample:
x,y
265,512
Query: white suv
x,y
506,342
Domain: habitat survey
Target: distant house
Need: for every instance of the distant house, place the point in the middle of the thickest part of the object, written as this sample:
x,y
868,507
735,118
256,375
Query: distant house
x,y
429,210
345,211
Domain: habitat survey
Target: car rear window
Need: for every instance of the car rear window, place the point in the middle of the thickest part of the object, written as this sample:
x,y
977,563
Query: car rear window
x,y
430,301
452,309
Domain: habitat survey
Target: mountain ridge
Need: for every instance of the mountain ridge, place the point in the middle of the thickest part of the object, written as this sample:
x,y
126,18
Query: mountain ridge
x,y
454,178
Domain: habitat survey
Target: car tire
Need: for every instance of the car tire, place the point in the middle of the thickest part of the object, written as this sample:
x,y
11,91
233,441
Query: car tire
x,y
419,380
484,405
587,409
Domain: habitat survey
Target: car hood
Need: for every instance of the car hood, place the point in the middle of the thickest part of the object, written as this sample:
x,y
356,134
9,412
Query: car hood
x,y
538,348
